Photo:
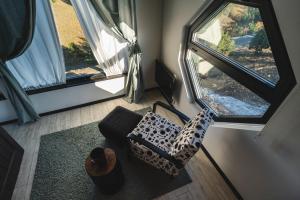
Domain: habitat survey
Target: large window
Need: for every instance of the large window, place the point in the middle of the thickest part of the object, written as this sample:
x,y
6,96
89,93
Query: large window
x,y
80,63
79,59
237,61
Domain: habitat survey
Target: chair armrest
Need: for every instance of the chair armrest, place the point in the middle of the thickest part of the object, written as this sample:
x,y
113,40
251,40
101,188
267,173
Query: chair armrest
x,y
155,149
182,116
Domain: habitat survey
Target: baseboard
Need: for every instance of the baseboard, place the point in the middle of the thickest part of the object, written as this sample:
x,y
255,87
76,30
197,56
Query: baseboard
x,y
74,107
229,183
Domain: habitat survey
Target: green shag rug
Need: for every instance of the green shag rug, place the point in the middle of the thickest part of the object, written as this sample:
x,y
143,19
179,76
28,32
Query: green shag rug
x,y
60,172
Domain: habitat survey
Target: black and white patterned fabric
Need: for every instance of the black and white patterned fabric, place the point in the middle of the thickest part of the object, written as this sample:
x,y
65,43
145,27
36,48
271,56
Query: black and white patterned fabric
x,y
191,136
154,159
157,130
180,143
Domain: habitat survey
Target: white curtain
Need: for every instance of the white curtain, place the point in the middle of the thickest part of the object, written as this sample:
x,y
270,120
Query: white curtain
x,y
110,52
42,64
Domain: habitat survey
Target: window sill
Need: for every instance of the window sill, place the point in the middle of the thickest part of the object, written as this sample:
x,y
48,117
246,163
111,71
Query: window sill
x,y
70,83
240,126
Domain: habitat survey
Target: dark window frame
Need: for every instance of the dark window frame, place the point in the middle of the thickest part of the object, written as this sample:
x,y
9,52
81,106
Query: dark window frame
x,y
273,94
1,96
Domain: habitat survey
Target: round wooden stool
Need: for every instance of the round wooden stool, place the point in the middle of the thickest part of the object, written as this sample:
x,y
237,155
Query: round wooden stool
x,y
109,178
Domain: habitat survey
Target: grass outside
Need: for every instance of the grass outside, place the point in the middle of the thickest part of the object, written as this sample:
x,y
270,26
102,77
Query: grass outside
x,y
79,58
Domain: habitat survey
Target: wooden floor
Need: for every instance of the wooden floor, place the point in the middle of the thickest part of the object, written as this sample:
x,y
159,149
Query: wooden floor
x,y
207,183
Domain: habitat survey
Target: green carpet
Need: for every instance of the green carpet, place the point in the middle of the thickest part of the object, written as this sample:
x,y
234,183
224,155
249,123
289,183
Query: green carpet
x,y
60,173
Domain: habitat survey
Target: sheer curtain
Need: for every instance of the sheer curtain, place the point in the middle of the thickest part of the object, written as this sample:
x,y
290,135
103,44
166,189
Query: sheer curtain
x,y
120,17
110,52
42,64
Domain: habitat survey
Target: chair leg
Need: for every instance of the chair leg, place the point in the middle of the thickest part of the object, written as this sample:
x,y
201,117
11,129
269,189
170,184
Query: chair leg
x,y
128,150
129,153
128,156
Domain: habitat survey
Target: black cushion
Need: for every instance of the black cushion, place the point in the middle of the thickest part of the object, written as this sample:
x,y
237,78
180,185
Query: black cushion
x,y
119,123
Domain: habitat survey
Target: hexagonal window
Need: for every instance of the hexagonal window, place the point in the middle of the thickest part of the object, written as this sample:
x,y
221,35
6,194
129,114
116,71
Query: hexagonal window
x,y
237,61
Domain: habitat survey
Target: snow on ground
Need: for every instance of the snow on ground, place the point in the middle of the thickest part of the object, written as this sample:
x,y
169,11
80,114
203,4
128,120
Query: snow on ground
x,y
238,107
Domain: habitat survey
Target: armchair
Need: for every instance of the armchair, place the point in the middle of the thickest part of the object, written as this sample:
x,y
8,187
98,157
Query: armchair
x,y
165,145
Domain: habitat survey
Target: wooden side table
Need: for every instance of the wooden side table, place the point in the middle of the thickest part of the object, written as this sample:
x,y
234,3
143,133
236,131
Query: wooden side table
x,y
110,178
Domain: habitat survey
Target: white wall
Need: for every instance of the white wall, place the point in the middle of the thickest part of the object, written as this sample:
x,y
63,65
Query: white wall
x,y
149,37
261,165
67,97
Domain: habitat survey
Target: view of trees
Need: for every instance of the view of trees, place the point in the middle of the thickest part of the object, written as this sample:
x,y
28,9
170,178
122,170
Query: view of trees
x,y
260,41
242,37
238,21
78,56
238,32
226,45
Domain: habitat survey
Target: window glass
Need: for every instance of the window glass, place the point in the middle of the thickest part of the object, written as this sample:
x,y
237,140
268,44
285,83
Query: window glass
x,y
79,58
224,95
238,32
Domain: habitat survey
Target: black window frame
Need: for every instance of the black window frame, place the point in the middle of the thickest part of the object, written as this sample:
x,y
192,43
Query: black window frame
x,y
273,94
1,96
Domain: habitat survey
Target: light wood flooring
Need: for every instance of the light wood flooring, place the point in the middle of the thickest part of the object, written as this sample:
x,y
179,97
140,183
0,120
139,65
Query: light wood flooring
x,y
207,183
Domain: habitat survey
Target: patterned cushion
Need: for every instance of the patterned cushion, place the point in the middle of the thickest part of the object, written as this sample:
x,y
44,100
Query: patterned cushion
x,y
191,136
154,159
157,130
